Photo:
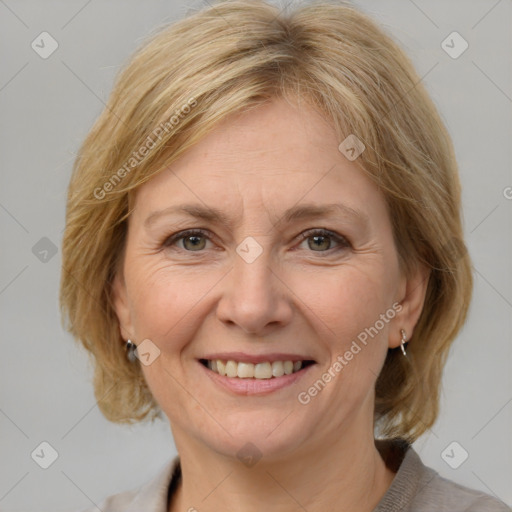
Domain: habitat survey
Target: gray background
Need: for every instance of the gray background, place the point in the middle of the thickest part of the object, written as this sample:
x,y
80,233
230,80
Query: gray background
x,y
47,107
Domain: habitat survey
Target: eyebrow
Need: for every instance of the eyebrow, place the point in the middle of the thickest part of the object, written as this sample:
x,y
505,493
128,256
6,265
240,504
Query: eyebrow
x,y
299,212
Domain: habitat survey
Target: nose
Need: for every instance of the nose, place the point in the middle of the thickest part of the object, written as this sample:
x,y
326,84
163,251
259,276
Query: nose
x,y
255,297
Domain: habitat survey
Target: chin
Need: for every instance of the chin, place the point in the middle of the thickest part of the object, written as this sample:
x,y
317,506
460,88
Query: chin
x,y
252,435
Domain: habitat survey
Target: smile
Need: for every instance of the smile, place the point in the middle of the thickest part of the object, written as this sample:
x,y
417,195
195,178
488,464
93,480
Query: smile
x,y
262,370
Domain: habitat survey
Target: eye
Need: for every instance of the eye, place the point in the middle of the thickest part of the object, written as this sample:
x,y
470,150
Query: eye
x,y
322,239
193,240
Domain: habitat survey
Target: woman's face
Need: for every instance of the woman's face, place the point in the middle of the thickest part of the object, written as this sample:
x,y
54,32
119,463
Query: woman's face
x,y
262,283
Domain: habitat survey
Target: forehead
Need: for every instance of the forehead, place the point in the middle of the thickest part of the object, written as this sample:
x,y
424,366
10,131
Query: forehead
x,y
273,157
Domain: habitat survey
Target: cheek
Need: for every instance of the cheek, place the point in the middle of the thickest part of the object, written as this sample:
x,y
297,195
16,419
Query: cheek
x,y
347,308
347,301
156,300
166,301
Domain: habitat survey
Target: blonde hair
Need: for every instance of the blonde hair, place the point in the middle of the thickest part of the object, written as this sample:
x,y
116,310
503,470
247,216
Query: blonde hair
x,y
234,56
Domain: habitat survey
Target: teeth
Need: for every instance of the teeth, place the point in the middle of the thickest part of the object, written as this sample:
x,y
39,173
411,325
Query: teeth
x,y
288,367
265,370
262,371
245,370
277,369
221,367
231,369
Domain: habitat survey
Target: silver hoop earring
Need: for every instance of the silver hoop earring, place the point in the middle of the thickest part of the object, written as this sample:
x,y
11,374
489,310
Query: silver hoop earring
x,y
403,341
131,351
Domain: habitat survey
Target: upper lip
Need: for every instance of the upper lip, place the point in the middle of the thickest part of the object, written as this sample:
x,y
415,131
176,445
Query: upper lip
x,y
243,357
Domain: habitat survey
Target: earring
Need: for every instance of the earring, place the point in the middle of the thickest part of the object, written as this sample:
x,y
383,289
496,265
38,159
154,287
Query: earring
x,y
403,341
131,351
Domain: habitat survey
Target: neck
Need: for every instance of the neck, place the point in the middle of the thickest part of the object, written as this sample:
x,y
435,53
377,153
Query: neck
x,y
345,473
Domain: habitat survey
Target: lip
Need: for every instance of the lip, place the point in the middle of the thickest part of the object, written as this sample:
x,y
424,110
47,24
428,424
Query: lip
x,y
252,387
242,357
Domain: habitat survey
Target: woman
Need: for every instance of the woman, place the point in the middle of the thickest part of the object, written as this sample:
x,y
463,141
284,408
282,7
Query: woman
x,y
264,243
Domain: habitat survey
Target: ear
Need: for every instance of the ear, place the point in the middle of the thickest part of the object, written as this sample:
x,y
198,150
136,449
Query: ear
x,y
412,294
121,306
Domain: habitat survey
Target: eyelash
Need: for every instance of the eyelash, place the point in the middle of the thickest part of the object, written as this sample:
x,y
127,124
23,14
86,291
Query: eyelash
x,y
344,243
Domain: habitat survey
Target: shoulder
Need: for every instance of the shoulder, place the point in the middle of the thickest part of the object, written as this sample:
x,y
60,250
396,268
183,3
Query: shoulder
x,y
150,497
447,495
419,488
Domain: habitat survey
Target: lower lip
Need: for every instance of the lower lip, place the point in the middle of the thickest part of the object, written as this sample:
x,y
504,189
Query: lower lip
x,y
254,386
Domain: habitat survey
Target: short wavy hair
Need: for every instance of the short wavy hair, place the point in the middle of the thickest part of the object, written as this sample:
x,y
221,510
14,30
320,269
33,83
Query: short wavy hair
x,y
233,56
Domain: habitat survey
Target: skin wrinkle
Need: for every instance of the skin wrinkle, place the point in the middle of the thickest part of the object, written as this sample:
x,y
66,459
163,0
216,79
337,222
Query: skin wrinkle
x,y
299,301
